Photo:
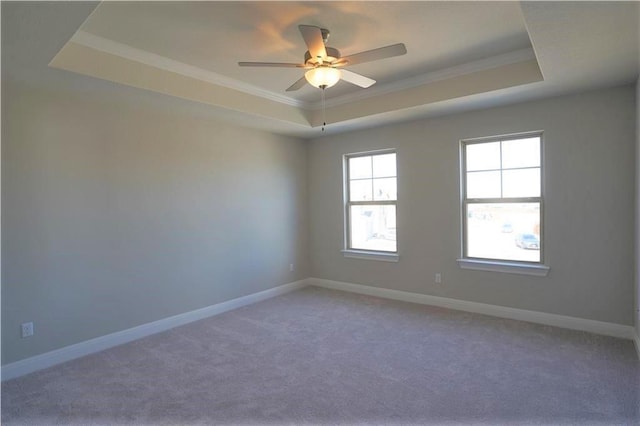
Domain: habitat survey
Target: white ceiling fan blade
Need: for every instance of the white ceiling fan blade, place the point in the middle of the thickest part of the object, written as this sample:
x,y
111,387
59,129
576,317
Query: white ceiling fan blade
x,y
313,38
357,79
375,54
271,64
297,85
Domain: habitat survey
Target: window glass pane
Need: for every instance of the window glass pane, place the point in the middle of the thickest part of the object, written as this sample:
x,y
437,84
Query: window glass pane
x,y
360,190
483,185
384,165
373,228
507,231
521,183
384,189
359,167
521,153
483,156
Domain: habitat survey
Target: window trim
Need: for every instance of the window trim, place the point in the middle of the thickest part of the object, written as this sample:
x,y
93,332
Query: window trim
x,y
357,253
511,267
385,256
538,268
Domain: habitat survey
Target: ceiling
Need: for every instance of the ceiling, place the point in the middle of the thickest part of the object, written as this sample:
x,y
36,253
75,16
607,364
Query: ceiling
x,y
460,55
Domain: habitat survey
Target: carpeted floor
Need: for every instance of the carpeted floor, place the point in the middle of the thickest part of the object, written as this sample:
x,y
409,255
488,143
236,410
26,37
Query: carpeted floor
x,y
320,356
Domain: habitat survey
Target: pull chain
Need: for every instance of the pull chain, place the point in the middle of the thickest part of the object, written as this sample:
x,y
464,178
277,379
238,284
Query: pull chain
x,y
324,119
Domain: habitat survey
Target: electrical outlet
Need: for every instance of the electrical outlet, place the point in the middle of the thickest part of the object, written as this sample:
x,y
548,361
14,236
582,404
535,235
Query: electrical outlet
x,y
438,278
26,329
291,268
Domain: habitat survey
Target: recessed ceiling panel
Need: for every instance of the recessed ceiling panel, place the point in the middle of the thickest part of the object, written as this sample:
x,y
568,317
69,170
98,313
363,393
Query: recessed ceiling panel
x,y
215,36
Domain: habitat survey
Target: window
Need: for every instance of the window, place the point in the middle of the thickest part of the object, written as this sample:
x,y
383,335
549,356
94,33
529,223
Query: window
x,y
370,202
502,199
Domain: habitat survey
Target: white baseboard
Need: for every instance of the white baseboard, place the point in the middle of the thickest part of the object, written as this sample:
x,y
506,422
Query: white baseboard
x,y
68,353
636,340
592,326
48,359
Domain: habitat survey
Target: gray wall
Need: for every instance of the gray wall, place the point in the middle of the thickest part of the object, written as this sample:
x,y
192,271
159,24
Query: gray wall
x,y
117,215
637,218
589,213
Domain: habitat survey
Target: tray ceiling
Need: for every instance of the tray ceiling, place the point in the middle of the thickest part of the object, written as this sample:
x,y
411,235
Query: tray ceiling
x,y
460,54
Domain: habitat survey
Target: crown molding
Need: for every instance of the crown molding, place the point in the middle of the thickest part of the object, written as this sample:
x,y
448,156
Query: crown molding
x,y
128,52
508,58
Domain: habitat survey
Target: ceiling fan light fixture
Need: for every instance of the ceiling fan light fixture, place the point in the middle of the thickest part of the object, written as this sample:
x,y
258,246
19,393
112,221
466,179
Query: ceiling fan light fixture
x,y
323,77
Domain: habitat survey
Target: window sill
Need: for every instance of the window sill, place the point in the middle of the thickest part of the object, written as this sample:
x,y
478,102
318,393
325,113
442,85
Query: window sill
x,y
369,255
507,267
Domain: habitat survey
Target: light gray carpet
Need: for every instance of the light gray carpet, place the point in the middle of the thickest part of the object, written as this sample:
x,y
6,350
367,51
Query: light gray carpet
x,y
319,356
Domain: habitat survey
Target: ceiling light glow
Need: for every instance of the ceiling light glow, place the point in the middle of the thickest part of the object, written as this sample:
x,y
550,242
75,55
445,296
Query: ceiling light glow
x,y
323,77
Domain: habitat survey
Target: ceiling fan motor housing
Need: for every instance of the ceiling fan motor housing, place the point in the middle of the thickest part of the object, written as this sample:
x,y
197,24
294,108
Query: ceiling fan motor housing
x,y
332,56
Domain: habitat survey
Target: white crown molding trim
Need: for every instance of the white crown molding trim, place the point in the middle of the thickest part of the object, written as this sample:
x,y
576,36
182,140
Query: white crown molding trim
x,y
592,326
484,64
68,353
128,52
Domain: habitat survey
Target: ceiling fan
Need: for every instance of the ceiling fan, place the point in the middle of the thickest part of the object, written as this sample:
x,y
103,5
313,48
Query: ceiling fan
x,y
325,64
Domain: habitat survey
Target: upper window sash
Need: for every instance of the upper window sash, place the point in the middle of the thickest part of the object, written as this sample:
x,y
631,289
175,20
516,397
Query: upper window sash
x,y
371,177
502,168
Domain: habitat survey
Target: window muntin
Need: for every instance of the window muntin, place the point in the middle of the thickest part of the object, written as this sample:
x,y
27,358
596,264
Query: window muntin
x,y
502,199
370,207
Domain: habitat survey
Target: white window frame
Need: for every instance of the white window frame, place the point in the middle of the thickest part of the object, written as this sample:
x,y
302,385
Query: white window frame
x,y
501,265
386,256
